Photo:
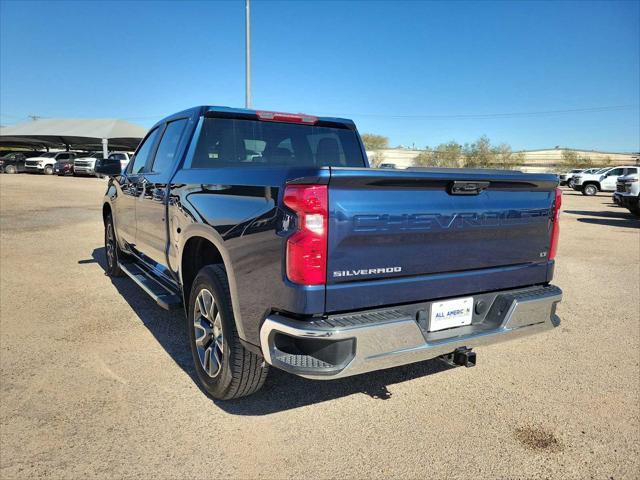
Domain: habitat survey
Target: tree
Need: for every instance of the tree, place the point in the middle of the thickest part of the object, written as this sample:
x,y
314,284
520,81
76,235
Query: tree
x,y
424,159
374,142
377,159
571,160
585,162
506,159
479,154
447,155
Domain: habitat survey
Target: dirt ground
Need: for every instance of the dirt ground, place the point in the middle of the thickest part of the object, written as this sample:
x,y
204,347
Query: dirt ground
x,y
96,381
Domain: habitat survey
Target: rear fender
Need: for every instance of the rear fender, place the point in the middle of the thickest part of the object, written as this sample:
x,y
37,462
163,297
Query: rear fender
x,y
208,233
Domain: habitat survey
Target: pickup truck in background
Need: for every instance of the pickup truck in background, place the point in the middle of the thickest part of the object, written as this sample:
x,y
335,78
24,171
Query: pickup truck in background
x,y
85,164
627,193
567,178
45,163
285,249
13,162
603,180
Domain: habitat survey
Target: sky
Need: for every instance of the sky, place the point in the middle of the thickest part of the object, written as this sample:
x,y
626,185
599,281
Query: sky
x,y
530,74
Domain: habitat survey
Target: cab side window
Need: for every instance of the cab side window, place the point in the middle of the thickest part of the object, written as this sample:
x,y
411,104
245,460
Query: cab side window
x,y
143,153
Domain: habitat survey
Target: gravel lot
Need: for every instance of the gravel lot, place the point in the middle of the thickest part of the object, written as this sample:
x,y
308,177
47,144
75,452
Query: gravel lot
x,y
96,381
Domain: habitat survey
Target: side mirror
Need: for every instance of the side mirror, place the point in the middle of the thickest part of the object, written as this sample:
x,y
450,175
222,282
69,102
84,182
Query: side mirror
x,y
108,167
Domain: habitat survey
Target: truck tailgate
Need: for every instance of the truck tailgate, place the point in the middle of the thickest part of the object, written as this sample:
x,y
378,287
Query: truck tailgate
x,y
407,231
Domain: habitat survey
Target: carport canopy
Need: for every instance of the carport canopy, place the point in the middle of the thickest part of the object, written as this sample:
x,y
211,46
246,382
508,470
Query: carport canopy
x,y
74,133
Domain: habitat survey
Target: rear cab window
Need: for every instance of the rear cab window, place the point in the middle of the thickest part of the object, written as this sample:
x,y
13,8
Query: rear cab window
x,y
227,142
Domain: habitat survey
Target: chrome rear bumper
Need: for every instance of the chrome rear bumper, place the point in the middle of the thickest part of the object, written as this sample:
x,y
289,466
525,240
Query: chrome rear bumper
x,y
379,339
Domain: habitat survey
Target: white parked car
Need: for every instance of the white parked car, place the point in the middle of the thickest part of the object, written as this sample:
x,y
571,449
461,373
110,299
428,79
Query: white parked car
x,y
603,180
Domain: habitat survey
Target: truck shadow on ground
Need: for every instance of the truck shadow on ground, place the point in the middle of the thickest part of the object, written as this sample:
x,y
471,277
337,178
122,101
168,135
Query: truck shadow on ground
x,y
615,219
281,391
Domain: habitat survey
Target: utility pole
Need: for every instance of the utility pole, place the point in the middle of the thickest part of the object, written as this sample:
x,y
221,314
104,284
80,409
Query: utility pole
x,y
247,59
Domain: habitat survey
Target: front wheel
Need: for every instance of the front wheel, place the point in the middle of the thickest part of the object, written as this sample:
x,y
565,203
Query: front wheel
x,y
570,184
10,169
589,190
224,368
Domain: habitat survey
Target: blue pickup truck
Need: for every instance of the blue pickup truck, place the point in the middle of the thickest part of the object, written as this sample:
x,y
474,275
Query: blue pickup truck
x,y
286,249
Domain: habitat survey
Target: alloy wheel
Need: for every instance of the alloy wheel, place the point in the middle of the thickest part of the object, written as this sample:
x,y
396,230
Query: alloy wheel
x,y
110,245
207,325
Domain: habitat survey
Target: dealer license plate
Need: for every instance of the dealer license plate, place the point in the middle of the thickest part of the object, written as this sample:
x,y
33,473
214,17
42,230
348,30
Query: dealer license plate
x,y
451,313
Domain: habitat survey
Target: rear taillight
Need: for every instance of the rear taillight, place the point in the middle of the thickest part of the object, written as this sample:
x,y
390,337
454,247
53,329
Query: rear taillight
x,y
555,227
307,248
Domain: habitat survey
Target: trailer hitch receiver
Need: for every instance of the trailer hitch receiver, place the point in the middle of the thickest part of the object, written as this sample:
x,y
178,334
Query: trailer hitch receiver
x,y
460,357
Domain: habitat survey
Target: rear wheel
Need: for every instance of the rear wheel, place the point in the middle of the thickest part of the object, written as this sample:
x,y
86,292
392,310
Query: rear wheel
x,y
48,170
590,190
570,183
111,249
224,368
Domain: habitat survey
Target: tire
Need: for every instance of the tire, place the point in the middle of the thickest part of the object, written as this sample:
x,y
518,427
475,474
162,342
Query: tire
x,y
590,190
570,183
111,249
48,170
224,368
10,169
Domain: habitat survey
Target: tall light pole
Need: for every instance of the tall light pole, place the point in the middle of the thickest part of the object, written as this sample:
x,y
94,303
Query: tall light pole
x,y
247,59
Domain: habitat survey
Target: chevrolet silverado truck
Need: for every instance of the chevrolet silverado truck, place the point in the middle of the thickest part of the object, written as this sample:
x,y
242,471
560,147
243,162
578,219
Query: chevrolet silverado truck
x,y
45,163
627,193
603,180
286,250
